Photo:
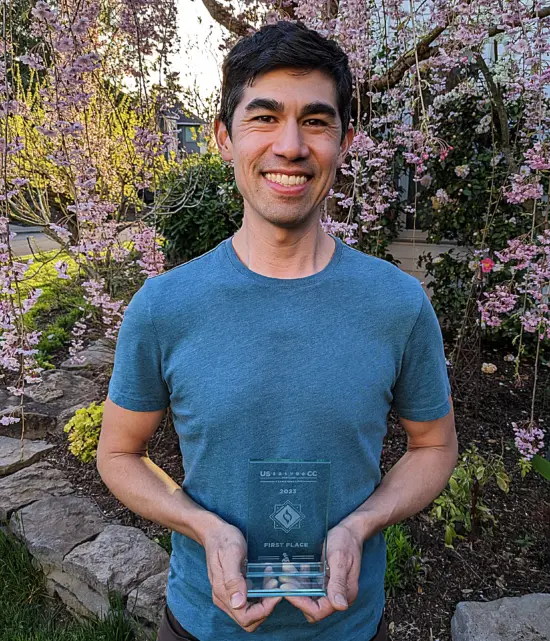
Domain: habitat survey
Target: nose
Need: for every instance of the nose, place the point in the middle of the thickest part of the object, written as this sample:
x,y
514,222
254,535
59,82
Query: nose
x,y
289,141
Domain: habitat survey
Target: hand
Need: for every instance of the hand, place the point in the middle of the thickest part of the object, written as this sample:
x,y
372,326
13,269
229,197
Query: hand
x,y
344,552
225,549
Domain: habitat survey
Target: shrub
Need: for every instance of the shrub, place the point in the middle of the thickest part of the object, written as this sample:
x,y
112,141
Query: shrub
x,y
403,560
83,430
461,503
200,206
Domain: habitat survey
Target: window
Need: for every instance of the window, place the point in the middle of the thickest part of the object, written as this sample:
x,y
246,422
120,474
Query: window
x,y
190,134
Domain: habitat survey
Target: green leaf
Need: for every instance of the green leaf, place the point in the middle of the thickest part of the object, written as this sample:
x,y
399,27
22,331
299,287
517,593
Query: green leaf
x,y
542,466
502,482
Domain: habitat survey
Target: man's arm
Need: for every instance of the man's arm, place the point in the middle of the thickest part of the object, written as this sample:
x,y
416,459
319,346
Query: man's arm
x,y
415,480
126,469
413,483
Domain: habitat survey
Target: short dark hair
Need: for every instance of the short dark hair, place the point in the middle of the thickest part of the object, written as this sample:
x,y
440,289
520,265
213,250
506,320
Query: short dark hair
x,y
279,45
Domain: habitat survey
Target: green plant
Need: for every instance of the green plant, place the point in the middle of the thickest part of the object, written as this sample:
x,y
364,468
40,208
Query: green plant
x,y
461,502
201,207
83,430
402,560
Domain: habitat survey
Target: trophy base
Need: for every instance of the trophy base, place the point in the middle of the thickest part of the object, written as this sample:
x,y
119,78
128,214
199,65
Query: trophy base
x,y
286,579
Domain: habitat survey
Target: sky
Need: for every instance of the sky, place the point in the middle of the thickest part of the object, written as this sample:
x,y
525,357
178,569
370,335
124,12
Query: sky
x,y
199,56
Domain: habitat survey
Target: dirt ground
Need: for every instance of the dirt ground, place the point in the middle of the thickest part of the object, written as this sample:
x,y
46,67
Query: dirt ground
x,y
512,560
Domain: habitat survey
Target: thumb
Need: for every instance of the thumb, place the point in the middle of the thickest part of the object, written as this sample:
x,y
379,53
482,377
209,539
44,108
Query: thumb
x,y
234,581
337,591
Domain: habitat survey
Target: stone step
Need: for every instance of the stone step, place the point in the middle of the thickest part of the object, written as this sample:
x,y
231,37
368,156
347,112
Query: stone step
x,y
15,454
33,483
52,527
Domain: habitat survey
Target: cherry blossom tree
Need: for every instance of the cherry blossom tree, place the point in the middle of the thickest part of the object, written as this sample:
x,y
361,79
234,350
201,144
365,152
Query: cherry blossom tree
x,y
60,136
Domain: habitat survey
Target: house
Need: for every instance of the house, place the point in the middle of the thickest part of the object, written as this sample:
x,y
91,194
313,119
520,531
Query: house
x,y
184,132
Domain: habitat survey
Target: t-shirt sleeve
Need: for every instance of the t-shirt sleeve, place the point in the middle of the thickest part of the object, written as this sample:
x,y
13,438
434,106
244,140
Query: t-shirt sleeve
x,y
422,388
136,382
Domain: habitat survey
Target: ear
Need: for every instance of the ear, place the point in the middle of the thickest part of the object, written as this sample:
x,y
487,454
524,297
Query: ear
x,y
346,144
223,140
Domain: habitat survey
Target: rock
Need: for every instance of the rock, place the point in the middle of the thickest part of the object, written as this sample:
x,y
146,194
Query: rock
x,y
16,454
61,389
147,601
40,420
51,403
525,618
52,527
75,594
6,399
120,558
33,483
100,353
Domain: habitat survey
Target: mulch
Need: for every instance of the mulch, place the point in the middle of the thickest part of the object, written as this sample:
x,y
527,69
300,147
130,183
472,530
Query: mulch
x,y
512,560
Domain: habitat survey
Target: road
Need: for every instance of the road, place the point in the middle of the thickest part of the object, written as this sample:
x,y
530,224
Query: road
x,y
34,237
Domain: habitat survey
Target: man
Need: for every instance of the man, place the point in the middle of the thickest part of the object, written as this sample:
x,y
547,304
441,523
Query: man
x,y
280,343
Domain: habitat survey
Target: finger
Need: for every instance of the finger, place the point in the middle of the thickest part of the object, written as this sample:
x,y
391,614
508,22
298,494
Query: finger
x,y
253,615
256,613
270,582
316,610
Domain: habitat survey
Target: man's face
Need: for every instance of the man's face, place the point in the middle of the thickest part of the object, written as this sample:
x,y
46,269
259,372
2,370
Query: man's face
x,y
285,145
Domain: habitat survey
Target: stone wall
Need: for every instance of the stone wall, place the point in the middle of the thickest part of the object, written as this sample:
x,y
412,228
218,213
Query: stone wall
x,y
84,556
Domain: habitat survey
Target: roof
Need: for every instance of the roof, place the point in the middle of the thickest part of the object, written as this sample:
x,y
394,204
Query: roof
x,y
183,117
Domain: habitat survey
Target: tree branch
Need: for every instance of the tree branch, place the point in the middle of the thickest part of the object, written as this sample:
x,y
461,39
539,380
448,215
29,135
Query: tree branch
x,y
425,51
226,19
498,103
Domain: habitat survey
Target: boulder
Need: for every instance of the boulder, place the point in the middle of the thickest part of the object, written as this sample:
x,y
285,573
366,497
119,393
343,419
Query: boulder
x,y
525,618
52,527
61,388
120,558
100,353
75,594
33,483
7,399
40,420
147,601
16,454
52,402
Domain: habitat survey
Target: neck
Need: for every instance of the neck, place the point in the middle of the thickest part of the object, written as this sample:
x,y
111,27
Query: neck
x,y
283,253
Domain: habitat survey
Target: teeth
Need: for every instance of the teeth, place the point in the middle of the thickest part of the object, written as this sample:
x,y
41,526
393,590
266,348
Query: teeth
x,y
283,179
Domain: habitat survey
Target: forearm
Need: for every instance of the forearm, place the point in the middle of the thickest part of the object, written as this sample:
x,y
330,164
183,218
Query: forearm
x,y
147,490
413,483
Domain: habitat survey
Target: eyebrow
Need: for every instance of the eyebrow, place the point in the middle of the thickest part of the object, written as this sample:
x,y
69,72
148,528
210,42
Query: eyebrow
x,y
269,104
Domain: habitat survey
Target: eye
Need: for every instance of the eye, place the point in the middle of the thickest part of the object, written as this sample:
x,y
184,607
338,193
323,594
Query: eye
x,y
258,117
320,123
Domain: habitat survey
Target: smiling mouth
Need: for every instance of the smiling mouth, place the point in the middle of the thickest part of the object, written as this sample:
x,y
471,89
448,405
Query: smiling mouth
x,y
287,181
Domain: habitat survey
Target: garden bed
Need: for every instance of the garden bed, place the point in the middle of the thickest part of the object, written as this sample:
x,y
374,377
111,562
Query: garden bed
x,y
513,560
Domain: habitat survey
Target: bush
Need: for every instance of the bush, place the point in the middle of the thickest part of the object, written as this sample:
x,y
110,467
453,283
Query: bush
x,y
200,206
403,560
461,503
469,208
83,430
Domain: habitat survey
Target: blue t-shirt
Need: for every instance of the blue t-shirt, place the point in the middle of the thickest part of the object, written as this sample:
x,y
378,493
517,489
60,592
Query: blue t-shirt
x,y
256,367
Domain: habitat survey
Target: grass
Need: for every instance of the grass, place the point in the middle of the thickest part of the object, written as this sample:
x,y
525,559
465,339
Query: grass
x,y
28,613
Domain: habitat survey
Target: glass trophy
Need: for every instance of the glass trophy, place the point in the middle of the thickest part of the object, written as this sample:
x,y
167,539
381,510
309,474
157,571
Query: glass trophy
x,y
287,527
